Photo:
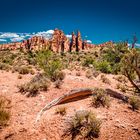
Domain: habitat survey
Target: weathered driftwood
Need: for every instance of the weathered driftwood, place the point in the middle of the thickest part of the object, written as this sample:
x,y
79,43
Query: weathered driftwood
x,y
66,97
76,93
117,95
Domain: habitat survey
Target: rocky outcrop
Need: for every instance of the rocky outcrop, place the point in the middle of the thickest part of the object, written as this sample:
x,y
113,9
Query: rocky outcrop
x,y
58,43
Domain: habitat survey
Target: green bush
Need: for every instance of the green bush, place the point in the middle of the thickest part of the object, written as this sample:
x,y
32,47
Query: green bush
x,y
104,67
53,70
131,67
87,61
113,56
84,124
51,65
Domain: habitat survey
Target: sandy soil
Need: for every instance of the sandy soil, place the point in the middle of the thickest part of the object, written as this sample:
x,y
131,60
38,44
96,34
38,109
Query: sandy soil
x,y
119,122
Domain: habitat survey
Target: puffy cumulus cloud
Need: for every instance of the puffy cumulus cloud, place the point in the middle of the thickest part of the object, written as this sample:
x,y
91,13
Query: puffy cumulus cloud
x,y
89,41
47,34
50,32
16,39
3,40
9,35
69,36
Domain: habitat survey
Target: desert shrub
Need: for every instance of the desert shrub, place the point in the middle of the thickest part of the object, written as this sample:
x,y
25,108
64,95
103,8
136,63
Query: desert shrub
x,y
51,65
113,55
121,79
89,74
52,70
95,73
39,83
84,124
19,76
104,67
23,70
4,117
4,66
58,84
88,61
134,102
100,98
31,58
130,67
32,71
61,110
42,57
7,57
32,61
78,73
105,80
4,113
121,87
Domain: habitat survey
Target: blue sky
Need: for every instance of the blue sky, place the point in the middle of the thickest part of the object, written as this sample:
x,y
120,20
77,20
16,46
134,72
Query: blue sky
x,y
98,20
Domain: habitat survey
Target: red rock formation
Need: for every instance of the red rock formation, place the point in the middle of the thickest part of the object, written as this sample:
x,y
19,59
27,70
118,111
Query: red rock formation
x,y
58,43
73,42
78,42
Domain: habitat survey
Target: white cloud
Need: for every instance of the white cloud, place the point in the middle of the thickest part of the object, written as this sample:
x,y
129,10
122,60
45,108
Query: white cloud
x,y
3,40
50,32
138,45
8,35
89,41
46,34
69,36
16,39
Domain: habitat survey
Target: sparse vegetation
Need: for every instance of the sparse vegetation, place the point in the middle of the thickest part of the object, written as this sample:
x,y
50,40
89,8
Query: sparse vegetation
x,y
84,124
51,66
100,98
78,73
135,103
58,84
19,76
121,79
4,66
105,80
39,83
61,110
88,61
104,67
89,74
130,67
4,113
121,87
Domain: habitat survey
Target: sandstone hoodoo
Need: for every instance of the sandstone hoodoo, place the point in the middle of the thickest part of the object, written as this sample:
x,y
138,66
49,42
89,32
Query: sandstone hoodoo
x,y
59,42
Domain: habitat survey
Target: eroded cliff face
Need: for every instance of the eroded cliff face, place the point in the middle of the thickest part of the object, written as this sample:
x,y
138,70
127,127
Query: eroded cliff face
x,y
58,43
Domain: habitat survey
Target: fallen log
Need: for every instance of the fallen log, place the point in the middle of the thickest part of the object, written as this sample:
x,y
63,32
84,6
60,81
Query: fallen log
x,y
66,97
78,93
117,95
